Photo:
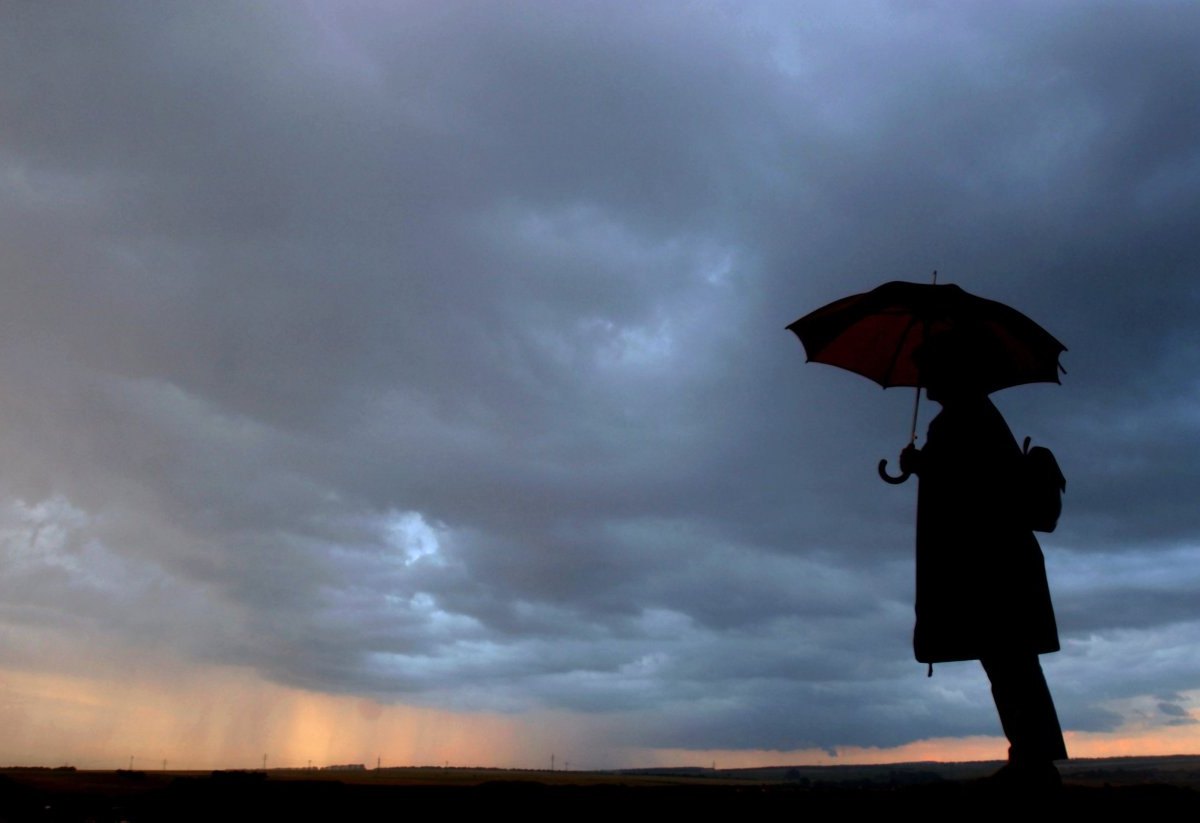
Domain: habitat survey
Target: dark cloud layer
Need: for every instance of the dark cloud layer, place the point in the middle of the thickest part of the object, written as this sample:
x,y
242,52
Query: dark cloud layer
x,y
435,352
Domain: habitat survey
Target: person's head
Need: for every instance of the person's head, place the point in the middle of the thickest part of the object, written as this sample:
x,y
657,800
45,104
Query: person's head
x,y
946,364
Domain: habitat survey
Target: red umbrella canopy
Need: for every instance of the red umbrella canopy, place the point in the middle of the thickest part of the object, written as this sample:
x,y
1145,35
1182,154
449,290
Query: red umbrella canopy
x,y
876,333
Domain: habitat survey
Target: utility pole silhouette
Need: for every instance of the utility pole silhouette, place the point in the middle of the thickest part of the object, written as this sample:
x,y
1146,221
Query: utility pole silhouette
x,y
551,762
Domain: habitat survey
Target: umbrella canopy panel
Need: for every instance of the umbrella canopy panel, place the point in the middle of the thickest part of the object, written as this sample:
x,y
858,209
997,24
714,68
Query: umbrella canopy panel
x,y
876,333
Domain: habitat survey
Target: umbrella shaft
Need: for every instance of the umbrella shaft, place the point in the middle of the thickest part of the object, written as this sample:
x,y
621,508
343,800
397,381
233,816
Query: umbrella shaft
x,y
912,435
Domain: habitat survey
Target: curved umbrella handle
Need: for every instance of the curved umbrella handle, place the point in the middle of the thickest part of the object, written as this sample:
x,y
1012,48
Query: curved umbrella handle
x,y
887,478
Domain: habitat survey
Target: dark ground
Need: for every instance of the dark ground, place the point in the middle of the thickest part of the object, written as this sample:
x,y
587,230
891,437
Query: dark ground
x,y
1111,786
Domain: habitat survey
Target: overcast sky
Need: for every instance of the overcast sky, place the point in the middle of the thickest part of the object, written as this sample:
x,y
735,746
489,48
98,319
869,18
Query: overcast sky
x,y
412,377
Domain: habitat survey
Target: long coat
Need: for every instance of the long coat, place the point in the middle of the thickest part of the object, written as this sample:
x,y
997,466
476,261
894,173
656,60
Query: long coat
x,y
981,578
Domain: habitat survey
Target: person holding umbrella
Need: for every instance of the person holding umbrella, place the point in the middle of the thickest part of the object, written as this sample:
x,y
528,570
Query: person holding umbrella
x,y
981,590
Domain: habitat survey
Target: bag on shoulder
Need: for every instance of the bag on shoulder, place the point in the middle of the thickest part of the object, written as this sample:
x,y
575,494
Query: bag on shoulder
x,y
1044,487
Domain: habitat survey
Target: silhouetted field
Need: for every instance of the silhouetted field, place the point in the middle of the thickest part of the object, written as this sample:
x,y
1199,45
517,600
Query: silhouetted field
x,y
1123,785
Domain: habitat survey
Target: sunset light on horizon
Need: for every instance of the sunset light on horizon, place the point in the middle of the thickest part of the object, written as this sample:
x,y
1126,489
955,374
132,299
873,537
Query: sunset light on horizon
x,y
228,719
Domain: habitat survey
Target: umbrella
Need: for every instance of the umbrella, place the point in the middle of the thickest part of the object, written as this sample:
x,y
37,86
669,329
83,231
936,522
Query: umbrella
x,y
876,333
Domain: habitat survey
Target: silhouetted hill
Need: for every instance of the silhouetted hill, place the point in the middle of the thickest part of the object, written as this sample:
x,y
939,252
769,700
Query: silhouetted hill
x,y
1111,786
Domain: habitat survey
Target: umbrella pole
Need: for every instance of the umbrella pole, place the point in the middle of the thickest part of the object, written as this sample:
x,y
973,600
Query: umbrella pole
x,y
912,435
912,441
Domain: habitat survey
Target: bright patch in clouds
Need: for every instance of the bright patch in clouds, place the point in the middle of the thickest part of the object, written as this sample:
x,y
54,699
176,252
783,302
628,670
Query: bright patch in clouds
x,y
413,537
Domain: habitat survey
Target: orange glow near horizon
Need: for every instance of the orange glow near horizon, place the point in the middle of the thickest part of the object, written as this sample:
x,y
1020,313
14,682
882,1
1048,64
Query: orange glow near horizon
x,y
230,718
1184,739
226,718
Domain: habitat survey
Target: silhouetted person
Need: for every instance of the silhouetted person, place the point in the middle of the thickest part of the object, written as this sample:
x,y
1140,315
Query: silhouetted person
x,y
981,580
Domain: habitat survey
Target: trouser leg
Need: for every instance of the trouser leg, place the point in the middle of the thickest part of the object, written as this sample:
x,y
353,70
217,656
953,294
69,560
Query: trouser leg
x,y
1026,709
